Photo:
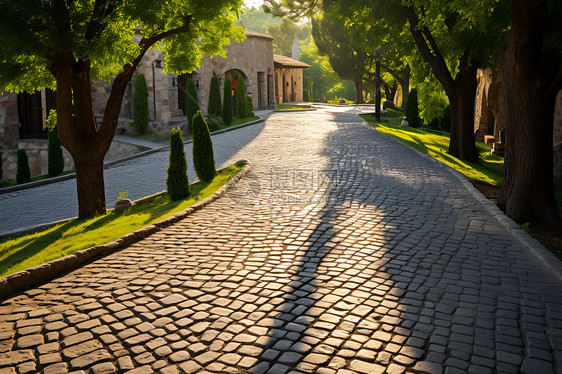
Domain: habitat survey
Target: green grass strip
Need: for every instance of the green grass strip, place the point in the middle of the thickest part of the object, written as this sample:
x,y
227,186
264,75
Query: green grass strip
x,y
489,170
63,239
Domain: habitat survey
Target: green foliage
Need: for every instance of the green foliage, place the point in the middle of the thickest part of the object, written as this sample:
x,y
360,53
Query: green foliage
x,y
23,174
31,38
177,182
140,105
332,39
215,106
241,106
256,20
191,100
56,160
249,107
387,104
227,102
284,35
215,123
306,95
411,109
203,154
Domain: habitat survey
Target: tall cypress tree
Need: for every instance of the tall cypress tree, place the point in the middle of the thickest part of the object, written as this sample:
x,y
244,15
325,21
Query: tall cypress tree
x,y
177,182
411,109
191,100
241,107
203,154
140,105
23,174
215,107
227,102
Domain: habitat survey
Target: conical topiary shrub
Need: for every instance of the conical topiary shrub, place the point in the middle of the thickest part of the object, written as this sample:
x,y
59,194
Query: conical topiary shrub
x,y
215,107
177,182
203,154
23,174
241,107
55,162
227,102
411,110
140,105
191,101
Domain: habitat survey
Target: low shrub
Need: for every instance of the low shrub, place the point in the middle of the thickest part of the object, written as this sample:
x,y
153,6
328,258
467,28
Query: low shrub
x,y
23,174
306,95
215,123
177,181
388,104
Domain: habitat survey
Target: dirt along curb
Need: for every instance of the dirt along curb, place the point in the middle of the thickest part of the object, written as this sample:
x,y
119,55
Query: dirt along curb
x,y
548,260
14,283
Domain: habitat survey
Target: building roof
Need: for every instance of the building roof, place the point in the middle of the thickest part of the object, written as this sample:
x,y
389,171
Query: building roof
x,y
253,34
287,62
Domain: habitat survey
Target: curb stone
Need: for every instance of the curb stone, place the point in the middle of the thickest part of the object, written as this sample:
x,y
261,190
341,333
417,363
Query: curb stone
x,y
14,283
548,260
109,164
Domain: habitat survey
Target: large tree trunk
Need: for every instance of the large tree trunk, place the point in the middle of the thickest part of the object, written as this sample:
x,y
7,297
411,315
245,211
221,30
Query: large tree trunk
x,y
528,187
90,185
461,99
359,90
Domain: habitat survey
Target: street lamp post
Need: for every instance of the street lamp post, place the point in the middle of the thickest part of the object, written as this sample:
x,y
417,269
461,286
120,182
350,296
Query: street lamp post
x,y
155,64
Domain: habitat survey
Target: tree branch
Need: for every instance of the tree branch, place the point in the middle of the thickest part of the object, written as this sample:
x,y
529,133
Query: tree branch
x,y
435,58
97,23
113,106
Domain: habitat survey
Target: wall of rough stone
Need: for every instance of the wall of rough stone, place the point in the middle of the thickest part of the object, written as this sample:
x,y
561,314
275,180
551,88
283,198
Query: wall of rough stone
x,y
291,91
252,56
37,154
481,110
9,122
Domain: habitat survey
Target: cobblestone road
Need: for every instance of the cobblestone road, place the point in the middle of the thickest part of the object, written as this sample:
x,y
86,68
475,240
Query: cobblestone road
x,y
141,176
341,252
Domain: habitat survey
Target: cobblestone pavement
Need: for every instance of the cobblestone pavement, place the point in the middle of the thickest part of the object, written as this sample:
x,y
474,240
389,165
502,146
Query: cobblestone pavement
x,y
340,252
141,176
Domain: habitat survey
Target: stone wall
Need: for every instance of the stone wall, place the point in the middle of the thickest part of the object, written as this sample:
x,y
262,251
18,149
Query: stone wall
x,y
9,122
288,85
37,154
488,106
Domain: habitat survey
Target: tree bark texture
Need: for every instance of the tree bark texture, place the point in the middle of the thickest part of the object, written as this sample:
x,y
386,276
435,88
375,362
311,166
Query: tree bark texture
x,y
531,77
359,90
78,131
456,89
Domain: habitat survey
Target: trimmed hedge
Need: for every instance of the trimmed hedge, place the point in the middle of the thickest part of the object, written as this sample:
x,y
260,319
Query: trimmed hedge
x,y
227,102
191,100
203,154
241,106
177,181
23,174
215,106
55,160
140,105
411,110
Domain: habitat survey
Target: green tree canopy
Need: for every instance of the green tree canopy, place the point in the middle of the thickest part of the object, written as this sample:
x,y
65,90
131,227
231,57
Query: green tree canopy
x,y
67,44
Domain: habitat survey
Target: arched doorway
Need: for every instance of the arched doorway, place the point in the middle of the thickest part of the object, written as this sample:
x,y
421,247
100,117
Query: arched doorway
x,y
231,74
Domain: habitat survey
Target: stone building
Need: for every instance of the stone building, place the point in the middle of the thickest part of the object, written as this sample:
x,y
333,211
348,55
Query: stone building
x,y
489,117
23,116
288,79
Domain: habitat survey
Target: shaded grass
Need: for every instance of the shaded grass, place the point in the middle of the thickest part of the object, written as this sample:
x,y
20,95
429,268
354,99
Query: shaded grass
x,y
33,249
10,183
489,170
240,121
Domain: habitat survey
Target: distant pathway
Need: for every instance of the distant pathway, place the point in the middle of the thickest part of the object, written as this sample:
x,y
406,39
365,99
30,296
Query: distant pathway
x,y
341,252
